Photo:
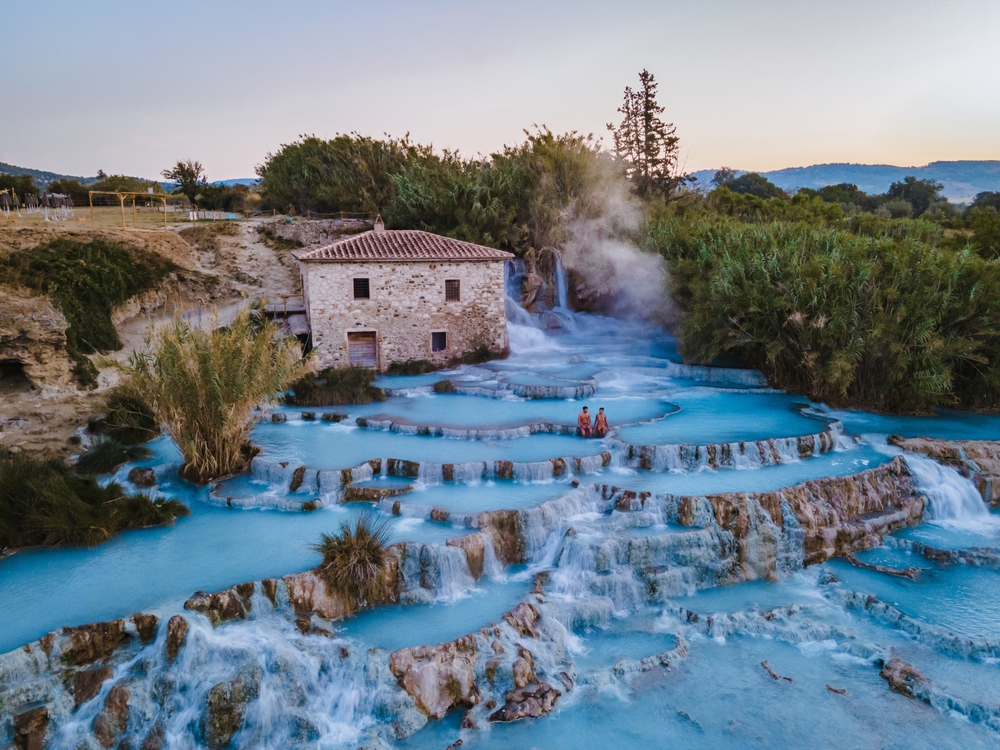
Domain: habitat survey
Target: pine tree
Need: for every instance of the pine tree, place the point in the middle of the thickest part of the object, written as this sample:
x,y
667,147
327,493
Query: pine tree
x,y
646,145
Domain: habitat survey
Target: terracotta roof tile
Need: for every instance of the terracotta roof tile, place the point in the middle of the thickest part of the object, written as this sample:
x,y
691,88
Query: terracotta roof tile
x,y
399,244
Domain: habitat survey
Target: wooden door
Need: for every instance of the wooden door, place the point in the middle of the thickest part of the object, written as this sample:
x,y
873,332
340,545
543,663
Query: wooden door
x,y
361,349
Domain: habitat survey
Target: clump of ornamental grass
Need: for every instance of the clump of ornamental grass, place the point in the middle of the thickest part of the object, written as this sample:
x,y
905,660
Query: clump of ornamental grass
x,y
43,502
204,387
107,455
353,559
343,385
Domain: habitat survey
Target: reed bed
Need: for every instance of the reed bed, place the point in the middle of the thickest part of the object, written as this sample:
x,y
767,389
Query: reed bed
x,y
205,388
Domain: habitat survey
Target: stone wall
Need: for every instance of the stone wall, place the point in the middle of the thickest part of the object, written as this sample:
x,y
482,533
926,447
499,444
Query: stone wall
x,y
407,303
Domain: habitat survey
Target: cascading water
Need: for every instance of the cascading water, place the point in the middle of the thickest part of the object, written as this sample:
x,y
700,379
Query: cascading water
x,y
562,290
954,499
673,536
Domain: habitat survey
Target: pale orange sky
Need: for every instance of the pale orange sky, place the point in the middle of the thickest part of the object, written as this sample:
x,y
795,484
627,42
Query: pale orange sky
x,y
132,87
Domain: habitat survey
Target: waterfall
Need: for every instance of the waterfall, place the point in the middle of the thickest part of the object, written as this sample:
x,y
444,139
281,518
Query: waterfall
x,y
954,499
562,291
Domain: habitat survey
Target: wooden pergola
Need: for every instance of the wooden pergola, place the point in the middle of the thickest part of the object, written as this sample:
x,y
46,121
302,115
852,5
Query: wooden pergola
x,y
121,199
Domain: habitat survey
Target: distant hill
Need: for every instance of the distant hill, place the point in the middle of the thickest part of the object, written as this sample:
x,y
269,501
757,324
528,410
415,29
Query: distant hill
x,y
249,181
961,179
41,177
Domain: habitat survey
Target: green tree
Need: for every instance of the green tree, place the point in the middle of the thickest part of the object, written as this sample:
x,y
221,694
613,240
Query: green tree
x,y
21,185
984,221
755,184
724,177
77,192
648,146
987,199
918,193
190,178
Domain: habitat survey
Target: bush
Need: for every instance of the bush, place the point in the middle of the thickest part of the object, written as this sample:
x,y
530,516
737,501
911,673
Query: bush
x,y
130,419
332,386
108,455
878,323
276,242
43,503
412,367
86,280
205,385
477,356
444,386
353,559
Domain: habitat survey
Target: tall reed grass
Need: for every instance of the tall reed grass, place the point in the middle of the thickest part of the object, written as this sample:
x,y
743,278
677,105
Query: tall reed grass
x,y
892,323
204,387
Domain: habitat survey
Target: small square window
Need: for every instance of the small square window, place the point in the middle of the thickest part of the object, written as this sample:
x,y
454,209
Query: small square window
x,y
452,290
439,341
361,289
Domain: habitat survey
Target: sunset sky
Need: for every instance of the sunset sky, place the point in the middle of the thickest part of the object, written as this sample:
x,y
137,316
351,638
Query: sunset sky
x,y
132,87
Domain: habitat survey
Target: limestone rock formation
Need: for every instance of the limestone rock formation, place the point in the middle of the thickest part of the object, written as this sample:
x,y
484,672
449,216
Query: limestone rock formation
x,y
29,728
111,723
145,626
177,629
439,677
142,476
474,547
231,604
527,703
225,709
87,683
33,333
88,643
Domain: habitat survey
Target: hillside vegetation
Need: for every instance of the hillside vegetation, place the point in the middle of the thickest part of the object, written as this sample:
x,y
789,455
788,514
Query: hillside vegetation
x,y
86,280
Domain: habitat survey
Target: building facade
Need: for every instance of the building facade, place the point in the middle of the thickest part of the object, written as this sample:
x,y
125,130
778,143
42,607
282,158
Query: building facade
x,y
398,295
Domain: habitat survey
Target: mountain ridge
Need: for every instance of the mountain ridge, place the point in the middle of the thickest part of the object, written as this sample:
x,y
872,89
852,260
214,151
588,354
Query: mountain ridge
x,y
961,179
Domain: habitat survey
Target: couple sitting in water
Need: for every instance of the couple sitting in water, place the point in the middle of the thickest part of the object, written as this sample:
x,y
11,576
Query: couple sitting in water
x,y
600,428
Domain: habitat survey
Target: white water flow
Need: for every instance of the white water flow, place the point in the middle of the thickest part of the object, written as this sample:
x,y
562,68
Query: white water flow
x,y
954,499
562,291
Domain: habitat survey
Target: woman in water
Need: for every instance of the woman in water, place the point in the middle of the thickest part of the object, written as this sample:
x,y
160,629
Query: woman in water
x,y
601,423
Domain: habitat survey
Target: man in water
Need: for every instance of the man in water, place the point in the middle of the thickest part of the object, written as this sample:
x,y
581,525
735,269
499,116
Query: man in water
x,y
583,422
601,423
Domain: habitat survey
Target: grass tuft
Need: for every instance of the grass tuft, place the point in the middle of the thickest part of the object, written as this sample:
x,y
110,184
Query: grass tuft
x,y
108,455
345,385
42,502
354,558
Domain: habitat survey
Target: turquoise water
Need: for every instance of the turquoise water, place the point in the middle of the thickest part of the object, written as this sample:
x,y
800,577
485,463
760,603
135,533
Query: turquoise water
x,y
717,694
711,416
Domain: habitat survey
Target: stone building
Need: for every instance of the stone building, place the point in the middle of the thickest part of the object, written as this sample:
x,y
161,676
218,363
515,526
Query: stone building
x,y
388,296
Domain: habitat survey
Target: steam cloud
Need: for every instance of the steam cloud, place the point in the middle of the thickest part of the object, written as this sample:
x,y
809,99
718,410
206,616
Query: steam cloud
x,y
633,284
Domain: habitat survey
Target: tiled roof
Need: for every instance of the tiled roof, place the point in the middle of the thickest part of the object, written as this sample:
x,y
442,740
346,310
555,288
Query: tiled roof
x,y
399,244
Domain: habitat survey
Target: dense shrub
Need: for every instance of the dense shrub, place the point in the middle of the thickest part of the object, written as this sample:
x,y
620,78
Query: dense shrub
x,y
889,324
129,419
343,385
86,280
43,503
204,386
